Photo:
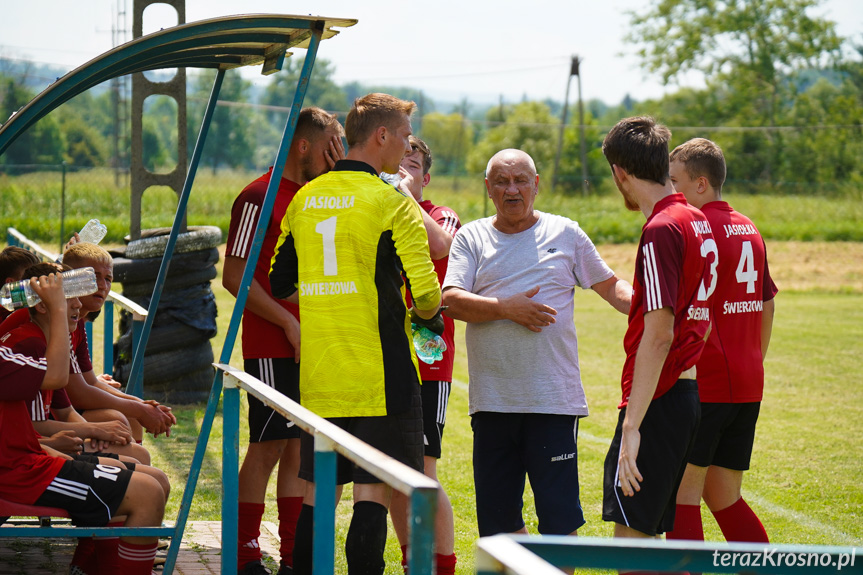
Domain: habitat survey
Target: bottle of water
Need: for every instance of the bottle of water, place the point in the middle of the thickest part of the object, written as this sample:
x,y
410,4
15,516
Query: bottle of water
x,y
428,345
76,283
93,232
392,179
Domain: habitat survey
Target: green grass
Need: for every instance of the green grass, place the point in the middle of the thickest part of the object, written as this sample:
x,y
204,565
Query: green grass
x,y
32,203
804,482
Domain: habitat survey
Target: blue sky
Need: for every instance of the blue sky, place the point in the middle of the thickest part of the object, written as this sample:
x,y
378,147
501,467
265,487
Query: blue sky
x,y
480,50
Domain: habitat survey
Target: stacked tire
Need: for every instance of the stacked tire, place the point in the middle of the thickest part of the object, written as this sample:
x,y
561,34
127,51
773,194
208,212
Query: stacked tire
x,y
178,358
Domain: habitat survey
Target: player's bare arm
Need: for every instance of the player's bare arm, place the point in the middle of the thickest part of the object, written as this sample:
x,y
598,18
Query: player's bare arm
x,y
50,289
652,351
767,313
261,303
439,240
85,396
520,308
616,291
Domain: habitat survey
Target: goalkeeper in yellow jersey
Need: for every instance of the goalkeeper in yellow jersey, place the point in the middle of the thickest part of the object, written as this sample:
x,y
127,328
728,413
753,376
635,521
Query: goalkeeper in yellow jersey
x,y
348,239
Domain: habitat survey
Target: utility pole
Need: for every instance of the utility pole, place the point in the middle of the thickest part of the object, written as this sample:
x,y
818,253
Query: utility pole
x,y
582,142
573,71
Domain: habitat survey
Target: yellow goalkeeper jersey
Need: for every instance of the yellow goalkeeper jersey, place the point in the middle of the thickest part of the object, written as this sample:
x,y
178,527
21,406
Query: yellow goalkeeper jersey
x,y
347,239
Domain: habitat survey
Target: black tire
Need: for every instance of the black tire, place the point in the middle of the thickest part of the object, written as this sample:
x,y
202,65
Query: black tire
x,y
165,338
143,270
172,283
169,365
197,238
191,388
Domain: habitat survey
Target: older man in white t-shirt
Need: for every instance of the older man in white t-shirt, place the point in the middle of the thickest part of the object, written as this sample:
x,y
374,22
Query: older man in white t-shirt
x,y
512,278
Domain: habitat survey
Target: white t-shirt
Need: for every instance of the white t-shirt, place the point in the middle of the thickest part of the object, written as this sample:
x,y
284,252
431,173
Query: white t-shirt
x,y
512,369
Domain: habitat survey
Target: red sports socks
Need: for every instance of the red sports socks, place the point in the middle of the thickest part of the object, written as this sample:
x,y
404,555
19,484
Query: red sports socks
x,y
136,559
739,523
289,512
248,530
687,523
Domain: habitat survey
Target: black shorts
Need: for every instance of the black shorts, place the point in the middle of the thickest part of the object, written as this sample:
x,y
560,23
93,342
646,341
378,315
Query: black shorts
x,y
283,375
435,395
90,493
726,435
398,435
509,446
667,435
93,458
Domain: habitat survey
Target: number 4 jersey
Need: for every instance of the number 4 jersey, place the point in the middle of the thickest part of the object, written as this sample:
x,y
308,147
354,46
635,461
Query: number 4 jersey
x,y
731,369
675,268
346,239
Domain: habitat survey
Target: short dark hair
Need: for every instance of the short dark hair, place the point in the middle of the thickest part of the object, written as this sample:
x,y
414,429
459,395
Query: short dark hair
x,y
313,122
701,157
420,146
14,260
639,145
372,111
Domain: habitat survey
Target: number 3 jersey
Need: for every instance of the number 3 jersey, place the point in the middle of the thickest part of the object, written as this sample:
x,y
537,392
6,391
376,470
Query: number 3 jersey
x,y
731,369
346,239
675,268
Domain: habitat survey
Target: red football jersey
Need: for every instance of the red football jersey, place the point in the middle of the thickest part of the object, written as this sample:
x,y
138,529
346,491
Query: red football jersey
x,y
441,370
676,268
261,338
25,469
731,368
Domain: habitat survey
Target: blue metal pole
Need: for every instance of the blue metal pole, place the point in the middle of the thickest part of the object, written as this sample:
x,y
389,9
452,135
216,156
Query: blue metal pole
x,y
324,523
137,361
230,474
421,533
108,338
270,197
138,357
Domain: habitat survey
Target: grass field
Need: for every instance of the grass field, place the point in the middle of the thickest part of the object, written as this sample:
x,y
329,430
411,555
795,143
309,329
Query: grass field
x,y
805,478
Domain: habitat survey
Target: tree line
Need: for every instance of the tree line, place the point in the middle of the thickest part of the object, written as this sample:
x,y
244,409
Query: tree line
x,y
782,94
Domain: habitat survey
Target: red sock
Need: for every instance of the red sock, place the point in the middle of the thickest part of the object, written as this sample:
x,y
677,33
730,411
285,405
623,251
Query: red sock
x,y
84,556
248,530
445,564
289,512
405,558
687,523
136,559
739,523
105,556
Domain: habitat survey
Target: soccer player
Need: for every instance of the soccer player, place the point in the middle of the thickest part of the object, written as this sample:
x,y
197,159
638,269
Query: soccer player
x,y
441,224
731,369
97,400
13,262
675,275
271,344
346,240
33,475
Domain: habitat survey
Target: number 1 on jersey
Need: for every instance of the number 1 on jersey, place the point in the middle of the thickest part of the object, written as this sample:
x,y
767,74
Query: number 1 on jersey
x,y
327,229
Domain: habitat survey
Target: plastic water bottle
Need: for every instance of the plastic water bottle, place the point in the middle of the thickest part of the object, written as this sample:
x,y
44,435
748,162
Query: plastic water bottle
x,y
392,179
428,345
93,232
76,283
